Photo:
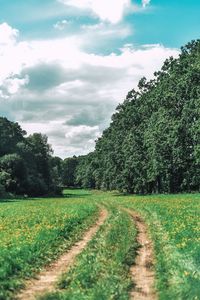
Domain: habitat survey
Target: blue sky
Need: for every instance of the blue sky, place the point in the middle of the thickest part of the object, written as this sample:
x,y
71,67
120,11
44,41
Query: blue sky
x,y
171,23
66,64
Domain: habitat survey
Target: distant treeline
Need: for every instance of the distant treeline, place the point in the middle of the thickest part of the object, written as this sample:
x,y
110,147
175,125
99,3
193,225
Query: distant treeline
x,y
27,167
153,142
26,164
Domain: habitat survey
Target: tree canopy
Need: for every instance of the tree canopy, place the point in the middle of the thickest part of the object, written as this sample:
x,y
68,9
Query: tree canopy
x,y
153,141
25,162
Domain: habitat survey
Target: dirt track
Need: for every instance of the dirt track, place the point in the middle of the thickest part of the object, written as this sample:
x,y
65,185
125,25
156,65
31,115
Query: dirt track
x,y
142,272
47,279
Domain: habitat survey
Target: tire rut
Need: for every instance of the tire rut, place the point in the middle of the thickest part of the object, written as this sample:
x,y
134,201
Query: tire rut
x,y
142,272
48,278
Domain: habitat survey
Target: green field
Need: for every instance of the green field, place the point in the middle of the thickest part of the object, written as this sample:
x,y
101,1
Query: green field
x,y
35,231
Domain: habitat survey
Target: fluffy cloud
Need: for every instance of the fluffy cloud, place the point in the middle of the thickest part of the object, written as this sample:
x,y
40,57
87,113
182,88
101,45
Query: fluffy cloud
x,y
57,88
145,2
11,85
10,79
61,25
111,10
106,10
8,47
67,140
7,34
106,34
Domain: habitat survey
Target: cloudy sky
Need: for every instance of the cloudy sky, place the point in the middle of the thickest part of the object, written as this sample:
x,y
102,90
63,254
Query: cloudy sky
x,y
66,64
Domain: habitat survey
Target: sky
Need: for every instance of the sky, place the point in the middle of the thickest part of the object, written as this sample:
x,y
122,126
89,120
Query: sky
x,y
66,64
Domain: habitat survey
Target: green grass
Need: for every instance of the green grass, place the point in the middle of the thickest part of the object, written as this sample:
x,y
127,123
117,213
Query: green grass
x,y
102,269
174,224
34,232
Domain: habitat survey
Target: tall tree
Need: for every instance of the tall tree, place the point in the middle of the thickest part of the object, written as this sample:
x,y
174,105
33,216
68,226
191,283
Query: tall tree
x,y
10,134
69,171
153,142
25,162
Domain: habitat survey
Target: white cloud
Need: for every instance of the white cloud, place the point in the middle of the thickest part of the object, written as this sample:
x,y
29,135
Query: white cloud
x,y
66,140
11,86
145,2
8,34
11,61
105,30
107,10
61,25
59,89
104,35
79,133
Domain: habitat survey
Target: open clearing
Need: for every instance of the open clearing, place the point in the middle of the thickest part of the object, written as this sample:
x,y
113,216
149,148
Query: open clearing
x,y
164,234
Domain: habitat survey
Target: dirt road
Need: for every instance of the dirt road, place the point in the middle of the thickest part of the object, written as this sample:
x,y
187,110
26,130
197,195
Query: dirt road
x,y
48,278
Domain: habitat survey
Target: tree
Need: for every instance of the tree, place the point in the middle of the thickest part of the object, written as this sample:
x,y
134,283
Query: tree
x,y
41,153
13,173
10,134
69,171
153,142
26,163
57,168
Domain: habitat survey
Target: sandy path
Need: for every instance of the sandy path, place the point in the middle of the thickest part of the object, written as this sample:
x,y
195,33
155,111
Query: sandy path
x,y
48,278
142,272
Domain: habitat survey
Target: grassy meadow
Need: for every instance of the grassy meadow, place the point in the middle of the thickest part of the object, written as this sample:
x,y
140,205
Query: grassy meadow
x,y
35,231
174,224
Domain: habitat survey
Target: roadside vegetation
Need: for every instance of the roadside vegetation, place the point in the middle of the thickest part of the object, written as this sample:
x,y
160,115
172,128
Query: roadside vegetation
x,y
34,232
174,226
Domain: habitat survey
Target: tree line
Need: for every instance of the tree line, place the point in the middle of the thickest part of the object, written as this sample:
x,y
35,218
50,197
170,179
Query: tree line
x,y
153,142
151,146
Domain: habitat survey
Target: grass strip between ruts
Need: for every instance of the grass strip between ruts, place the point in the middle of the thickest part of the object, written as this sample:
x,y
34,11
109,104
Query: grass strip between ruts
x,y
102,269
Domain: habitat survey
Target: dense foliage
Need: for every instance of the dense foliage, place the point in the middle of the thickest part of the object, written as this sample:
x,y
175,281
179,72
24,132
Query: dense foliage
x,y
26,164
69,171
153,142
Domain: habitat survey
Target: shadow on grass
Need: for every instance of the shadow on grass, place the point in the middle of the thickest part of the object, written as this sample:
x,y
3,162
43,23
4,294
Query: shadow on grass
x,y
118,194
75,192
3,201
64,196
